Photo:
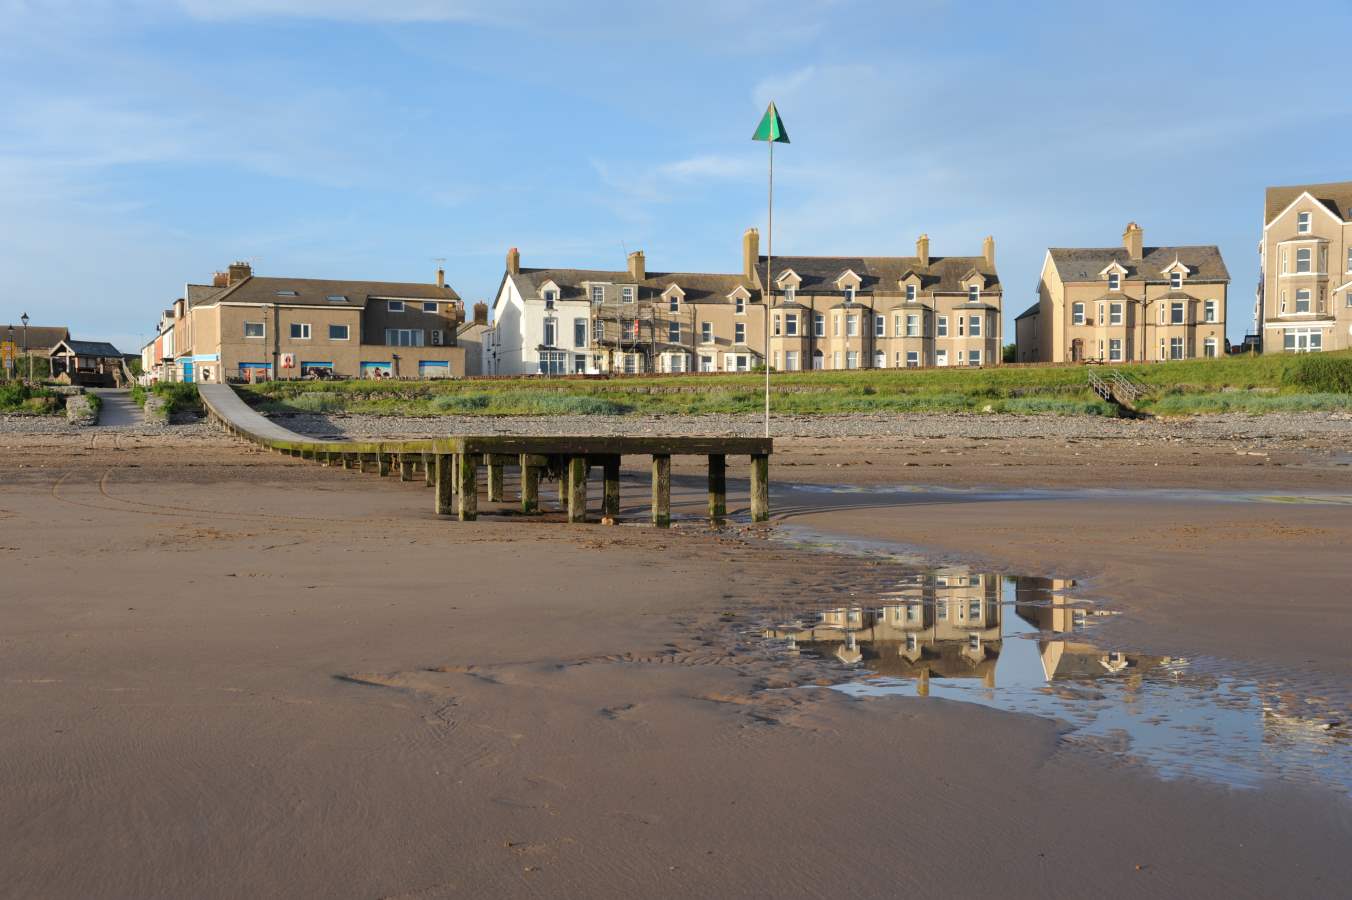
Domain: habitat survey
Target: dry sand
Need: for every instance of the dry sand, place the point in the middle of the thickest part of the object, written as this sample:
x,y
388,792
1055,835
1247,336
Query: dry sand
x,y
230,674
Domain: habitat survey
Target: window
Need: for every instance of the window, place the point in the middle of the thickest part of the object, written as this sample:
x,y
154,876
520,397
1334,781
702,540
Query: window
x,y
579,332
1114,281
1209,348
404,337
835,325
913,325
849,295
912,359
394,305
553,362
674,333
791,324
941,357
580,362
790,293
879,359
288,293
743,364
1303,340
598,331
706,332
962,325
1100,315
254,329
791,360
336,298
1303,259
1077,314
551,332
973,357
739,333
630,364
778,325
819,325
598,293
300,331
1302,301
852,359
975,329
676,362
974,293
910,288
1176,280
941,326
1349,259
430,306
852,326
338,333
626,294
739,305
818,360
550,296
1209,311
674,303
706,363
1303,223
1115,314
1177,311
1176,348
1114,349
880,326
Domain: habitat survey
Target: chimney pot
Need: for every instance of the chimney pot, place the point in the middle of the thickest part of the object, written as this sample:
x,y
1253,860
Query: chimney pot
x,y
513,261
237,272
481,313
922,249
638,269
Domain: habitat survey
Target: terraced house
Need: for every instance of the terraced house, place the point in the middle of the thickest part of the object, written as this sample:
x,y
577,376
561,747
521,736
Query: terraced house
x,y
1131,303
563,321
1305,295
861,312
247,327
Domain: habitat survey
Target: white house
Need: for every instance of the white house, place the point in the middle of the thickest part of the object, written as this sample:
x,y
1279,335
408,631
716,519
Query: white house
x,y
538,329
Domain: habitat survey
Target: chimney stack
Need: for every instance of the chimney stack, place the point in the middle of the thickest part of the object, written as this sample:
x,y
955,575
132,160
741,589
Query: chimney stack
x,y
220,279
441,277
513,261
988,251
922,249
237,273
638,269
481,313
750,253
1134,240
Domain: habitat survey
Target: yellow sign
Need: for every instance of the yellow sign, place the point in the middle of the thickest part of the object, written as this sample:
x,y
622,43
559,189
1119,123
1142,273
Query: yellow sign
x,y
10,352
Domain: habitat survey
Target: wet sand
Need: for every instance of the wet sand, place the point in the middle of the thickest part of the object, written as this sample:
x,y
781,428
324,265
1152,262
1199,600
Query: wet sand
x,y
226,673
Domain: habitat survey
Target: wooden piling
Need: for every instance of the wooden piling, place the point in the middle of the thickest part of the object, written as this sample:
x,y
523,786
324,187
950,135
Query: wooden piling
x,y
444,481
429,469
383,464
495,469
610,493
348,460
530,485
405,467
468,486
577,489
760,487
718,486
661,490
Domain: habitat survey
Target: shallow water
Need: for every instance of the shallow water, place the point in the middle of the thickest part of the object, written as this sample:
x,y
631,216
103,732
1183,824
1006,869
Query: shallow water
x,y
1026,645
1186,495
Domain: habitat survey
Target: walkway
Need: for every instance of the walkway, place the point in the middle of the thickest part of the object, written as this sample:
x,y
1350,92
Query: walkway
x,y
117,411
222,399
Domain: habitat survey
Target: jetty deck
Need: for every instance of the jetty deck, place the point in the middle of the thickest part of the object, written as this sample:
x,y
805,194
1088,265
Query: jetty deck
x,y
452,465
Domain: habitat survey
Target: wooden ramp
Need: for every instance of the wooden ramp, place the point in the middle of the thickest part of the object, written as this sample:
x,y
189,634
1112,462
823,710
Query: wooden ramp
x,y
452,464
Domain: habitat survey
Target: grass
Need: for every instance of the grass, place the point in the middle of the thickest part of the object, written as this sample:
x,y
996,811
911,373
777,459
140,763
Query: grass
x,y
178,397
17,398
1246,384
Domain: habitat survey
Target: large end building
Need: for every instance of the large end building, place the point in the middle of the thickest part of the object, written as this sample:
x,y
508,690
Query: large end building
x,y
1131,303
1304,300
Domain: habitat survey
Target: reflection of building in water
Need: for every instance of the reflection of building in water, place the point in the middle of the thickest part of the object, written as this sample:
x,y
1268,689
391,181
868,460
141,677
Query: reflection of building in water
x,y
1043,603
945,625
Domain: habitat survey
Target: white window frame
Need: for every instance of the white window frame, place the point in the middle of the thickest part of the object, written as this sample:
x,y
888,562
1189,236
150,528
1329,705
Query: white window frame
x,y
852,325
1209,348
1114,281
627,294
1177,343
849,295
974,293
818,325
706,332
1114,349
674,303
394,337
347,332
1209,311
1304,222
912,359
549,331
879,359
791,324
1309,299
739,306
974,326
304,331
1308,261
598,293
578,320
1114,313
262,330
431,306
673,332
941,326
394,306
1176,280
739,333
911,292
913,325
1077,314
791,360
851,359
1178,313
880,326
973,358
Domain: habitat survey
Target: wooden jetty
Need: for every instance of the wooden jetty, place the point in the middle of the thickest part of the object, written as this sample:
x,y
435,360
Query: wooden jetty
x,y
452,465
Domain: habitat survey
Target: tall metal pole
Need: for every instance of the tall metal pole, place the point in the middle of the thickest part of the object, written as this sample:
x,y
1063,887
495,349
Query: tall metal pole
x,y
768,294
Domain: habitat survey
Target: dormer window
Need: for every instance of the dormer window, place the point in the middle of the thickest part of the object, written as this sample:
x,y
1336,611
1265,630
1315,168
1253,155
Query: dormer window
x,y
550,297
974,293
791,292
1303,223
1176,280
739,305
627,294
674,303
849,295
910,293
394,305
1114,281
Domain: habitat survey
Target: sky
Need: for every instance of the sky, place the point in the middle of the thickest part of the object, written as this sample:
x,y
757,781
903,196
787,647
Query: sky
x,y
148,143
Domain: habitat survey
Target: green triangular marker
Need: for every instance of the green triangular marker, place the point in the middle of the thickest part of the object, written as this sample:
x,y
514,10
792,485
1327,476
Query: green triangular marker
x,y
771,127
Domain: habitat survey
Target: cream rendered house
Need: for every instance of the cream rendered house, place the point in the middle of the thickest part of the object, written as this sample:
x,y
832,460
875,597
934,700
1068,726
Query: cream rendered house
x,y
1305,295
1131,303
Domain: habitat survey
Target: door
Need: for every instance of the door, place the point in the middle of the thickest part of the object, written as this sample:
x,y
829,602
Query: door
x,y
941,357
1077,350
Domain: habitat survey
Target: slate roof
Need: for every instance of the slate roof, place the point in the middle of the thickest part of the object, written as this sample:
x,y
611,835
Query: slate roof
x,y
199,294
699,287
1204,263
1030,311
1336,195
882,273
100,349
40,337
316,291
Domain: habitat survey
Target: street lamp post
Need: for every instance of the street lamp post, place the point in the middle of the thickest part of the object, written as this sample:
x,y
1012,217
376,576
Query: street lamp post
x,y
10,364
24,319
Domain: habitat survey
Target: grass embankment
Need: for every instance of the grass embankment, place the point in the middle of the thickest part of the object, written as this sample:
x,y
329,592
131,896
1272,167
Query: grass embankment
x,y
178,398
1232,384
17,398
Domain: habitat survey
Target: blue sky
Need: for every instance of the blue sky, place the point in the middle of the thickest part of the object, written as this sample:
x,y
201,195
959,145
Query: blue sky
x,y
147,143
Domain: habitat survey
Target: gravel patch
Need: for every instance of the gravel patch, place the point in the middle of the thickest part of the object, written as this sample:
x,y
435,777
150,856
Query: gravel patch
x,y
58,425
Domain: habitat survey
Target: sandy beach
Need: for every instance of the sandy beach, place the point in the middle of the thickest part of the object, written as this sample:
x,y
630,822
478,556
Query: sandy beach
x,y
227,673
